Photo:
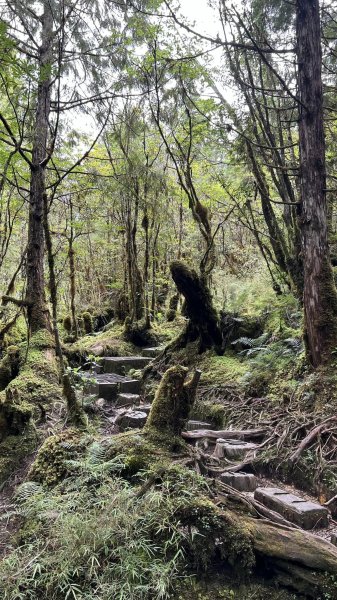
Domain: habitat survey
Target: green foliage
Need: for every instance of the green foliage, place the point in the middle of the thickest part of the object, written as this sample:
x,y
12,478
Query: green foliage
x,y
94,535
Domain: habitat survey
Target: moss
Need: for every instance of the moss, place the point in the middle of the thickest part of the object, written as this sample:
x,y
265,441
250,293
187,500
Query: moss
x,y
9,366
222,369
15,413
14,451
67,323
224,587
138,453
139,334
76,413
17,334
87,322
50,465
106,343
211,412
217,535
171,315
172,404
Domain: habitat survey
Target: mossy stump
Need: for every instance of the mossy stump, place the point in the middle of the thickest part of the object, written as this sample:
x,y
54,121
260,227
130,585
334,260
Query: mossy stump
x,y
172,403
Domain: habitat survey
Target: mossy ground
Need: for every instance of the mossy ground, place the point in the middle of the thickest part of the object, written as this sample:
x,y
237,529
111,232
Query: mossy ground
x,y
27,399
217,587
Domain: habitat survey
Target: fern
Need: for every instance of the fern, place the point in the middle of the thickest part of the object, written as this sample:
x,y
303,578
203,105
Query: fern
x,y
253,343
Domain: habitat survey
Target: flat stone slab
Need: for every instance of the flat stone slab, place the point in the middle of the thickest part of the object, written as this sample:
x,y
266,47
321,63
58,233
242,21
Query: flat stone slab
x,y
307,515
130,386
108,385
194,425
243,482
232,449
122,364
145,408
134,419
127,399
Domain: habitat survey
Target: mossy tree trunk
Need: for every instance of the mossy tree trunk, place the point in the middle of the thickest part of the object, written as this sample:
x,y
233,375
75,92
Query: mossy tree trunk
x,y
38,316
203,319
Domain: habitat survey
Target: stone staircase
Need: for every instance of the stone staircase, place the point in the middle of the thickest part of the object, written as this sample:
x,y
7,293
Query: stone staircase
x,y
115,386
118,390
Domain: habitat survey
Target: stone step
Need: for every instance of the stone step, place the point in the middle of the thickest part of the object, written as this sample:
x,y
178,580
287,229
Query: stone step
x,y
243,482
306,514
194,425
133,419
145,408
152,352
232,449
124,399
108,385
123,364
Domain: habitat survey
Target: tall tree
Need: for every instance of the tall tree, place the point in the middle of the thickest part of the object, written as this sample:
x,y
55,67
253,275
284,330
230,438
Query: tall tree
x,y
320,297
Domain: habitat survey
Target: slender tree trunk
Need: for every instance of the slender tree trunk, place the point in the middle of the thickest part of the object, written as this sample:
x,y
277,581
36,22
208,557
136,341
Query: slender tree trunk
x,y
38,316
72,273
135,278
154,269
145,225
52,283
320,298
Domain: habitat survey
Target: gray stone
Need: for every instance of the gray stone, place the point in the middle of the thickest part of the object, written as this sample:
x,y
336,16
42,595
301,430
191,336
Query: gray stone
x,y
100,403
152,352
132,419
129,386
243,482
122,364
127,399
107,385
107,390
145,408
333,539
307,515
232,449
192,425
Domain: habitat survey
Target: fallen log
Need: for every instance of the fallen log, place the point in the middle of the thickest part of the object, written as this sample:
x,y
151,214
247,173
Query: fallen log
x,y
229,434
292,545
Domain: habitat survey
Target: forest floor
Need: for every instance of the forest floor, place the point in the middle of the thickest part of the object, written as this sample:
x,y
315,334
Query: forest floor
x,y
263,384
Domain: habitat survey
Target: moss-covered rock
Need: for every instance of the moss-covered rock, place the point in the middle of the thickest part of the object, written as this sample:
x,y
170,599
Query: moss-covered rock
x,y
139,334
50,465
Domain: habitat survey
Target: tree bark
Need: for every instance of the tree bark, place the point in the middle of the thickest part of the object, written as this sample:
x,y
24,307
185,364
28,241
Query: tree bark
x,y
72,272
38,316
320,298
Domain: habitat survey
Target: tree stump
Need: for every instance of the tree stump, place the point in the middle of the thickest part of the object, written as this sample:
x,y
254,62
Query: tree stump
x,y
172,403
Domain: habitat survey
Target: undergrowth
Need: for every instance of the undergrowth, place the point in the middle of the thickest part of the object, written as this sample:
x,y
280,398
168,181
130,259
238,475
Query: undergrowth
x,y
94,535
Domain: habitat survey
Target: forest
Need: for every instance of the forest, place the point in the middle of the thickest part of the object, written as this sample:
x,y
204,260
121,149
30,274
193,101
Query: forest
x,y
168,299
